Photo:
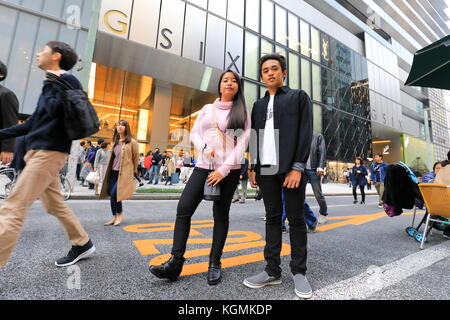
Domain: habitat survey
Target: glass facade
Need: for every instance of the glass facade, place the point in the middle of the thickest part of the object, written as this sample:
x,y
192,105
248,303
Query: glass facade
x,y
23,34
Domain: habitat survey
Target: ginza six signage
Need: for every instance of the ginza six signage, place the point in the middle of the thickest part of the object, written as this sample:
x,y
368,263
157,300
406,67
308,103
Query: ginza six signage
x,y
176,27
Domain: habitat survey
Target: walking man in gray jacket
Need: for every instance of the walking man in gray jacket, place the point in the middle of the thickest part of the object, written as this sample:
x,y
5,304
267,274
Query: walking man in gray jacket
x,y
314,170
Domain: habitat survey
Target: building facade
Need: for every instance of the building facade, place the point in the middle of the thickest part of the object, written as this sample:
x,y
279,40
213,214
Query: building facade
x,y
156,63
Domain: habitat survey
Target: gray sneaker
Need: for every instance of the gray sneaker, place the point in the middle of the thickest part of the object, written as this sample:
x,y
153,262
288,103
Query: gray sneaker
x,y
302,287
261,280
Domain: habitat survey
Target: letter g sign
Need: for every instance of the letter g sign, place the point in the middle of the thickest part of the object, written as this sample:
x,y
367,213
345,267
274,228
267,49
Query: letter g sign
x,y
114,23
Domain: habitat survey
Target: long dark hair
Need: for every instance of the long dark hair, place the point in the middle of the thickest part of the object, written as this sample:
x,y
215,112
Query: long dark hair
x,y
128,135
238,114
360,161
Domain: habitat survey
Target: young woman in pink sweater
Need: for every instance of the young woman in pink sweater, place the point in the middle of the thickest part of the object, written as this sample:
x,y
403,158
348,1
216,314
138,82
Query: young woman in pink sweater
x,y
222,147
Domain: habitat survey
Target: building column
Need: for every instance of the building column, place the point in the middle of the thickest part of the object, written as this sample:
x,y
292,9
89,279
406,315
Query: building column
x,y
161,115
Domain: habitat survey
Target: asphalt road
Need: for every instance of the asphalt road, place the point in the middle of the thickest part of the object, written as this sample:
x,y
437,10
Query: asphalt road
x,y
359,254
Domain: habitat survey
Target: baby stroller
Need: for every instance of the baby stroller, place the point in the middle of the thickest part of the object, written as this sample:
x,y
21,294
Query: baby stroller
x,y
402,192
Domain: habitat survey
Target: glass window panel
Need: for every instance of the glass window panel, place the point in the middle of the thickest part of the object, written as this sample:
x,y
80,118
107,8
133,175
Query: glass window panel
x,y
305,38
47,30
53,8
293,32
267,18
317,118
306,76
22,57
235,39
315,44
294,68
32,4
200,3
317,85
8,19
251,56
281,25
236,11
266,47
215,46
250,93
252,14
218,7
194,34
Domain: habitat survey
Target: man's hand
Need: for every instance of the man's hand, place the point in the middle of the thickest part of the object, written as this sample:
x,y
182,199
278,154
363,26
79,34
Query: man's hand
x,y
214,178
252,178
6,157
292,179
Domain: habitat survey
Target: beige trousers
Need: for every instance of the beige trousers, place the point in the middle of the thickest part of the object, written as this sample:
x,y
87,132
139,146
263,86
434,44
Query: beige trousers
x,y
39,179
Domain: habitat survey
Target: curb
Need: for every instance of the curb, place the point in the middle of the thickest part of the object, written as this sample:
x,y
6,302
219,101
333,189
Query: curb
x,y
176,196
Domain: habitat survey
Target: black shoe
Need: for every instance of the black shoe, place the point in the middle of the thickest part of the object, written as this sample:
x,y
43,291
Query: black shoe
x,y
75,254
362,202
214,273
355,201
169,270
447,233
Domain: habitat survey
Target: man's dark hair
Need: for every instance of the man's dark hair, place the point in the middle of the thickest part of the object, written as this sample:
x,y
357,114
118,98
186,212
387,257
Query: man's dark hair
x,y
89,142
380,155
273,56
445,163
105,144
82,143
3,71
69,57
100,141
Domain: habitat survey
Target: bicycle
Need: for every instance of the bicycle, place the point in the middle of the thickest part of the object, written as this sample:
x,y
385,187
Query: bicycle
x,y
8,177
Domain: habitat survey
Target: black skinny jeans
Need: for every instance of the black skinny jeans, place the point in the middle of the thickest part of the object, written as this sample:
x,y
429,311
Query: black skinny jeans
x,y
270,186
363,195
189,201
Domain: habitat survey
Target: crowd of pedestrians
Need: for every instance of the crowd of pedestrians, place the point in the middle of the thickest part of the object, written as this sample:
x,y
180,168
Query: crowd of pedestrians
x,y
221,137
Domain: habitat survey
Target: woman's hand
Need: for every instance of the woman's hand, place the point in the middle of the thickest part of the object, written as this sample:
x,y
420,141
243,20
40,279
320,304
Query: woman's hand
x,y
252,178
209,153
214,178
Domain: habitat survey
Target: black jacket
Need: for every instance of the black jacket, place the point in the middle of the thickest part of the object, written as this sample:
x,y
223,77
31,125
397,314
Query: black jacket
x,y
318,153
45,128
399,190
9,116
293,119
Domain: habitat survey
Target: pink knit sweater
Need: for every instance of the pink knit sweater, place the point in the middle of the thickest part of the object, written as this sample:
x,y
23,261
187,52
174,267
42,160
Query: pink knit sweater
x,y
228,156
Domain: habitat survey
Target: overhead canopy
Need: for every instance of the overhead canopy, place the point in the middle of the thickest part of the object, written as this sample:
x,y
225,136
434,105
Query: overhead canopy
x,y
431,66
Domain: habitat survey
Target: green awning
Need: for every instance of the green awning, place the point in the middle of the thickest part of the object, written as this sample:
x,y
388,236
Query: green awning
x,y
431,66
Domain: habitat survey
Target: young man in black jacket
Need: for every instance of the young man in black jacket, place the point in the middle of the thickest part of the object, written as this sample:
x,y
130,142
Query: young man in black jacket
x,y
9,116
48,147
282,120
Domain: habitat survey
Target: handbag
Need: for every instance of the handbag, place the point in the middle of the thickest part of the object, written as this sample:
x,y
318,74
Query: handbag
x,y
210,192
93,177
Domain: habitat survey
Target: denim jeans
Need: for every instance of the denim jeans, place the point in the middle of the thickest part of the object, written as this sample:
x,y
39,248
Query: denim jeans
x,y
310,217
314,179
116,207
154,171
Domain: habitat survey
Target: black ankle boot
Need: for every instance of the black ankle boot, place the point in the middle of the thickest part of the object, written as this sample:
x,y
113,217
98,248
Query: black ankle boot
x,y
214,273
169,270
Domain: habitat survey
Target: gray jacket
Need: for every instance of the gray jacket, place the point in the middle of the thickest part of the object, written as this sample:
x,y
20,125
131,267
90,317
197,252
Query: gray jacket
x,y
317,156
101,158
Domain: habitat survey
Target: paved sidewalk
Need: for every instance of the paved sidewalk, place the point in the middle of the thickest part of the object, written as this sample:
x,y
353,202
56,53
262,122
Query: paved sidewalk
x,y
329,189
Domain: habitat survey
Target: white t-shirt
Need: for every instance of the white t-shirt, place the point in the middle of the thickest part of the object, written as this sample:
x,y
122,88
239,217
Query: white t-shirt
x,y
269,149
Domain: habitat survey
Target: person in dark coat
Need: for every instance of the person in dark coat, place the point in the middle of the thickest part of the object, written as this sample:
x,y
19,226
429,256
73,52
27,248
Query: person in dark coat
x,y
9,116
358,178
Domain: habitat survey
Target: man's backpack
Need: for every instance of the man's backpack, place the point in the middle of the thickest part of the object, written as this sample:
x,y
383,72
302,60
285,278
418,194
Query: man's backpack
x,y
80,117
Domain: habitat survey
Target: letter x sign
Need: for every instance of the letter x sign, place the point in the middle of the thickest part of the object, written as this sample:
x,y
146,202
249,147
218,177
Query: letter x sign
x,y
233,62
